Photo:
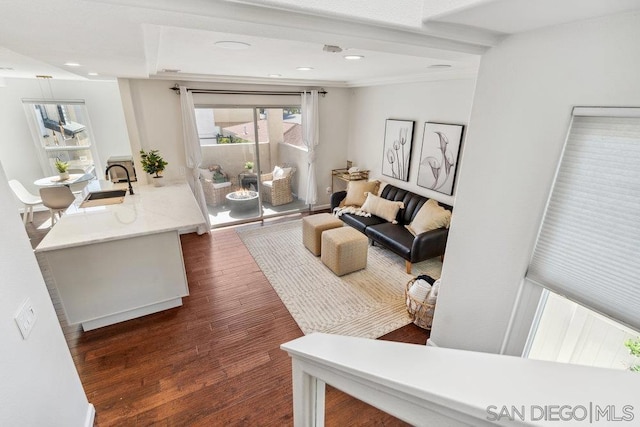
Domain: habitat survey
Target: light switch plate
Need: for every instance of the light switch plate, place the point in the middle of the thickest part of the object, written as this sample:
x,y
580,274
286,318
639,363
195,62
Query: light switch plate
x,y
26,318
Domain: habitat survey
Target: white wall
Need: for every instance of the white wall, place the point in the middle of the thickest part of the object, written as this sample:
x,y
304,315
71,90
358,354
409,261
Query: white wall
x,y
39,383
17,150
155,110
526,88
446,101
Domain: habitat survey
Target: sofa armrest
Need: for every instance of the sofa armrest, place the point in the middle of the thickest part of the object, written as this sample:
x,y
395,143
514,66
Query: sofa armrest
x,y
429,244
336,198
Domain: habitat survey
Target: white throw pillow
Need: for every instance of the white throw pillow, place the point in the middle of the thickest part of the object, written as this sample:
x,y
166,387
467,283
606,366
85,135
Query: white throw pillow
x,y
278,172
206,174
385,209
267,183
430,217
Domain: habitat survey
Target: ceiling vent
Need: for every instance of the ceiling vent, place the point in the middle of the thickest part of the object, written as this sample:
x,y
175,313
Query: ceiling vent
x,y
170,70
331,48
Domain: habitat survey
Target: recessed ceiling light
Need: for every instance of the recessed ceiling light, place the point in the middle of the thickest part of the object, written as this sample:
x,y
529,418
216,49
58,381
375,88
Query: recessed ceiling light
x,y
6,68
170,70
71,64
304,68
92,74
232,45
440,66
275,75
353,57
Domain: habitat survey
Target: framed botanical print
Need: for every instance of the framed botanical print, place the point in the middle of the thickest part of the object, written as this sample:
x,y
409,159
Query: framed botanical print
x,y
396,153
439,156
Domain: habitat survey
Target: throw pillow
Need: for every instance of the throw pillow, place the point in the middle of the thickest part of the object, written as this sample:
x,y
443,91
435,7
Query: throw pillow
x,y
206,174
383,208
382,185
356,192
430,216
278,172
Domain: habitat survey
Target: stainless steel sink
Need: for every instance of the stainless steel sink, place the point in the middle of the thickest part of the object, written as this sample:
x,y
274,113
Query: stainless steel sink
x,y
100,198
97,195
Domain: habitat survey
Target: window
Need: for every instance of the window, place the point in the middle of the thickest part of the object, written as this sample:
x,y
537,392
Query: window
x,y
61,131
570,333
589,242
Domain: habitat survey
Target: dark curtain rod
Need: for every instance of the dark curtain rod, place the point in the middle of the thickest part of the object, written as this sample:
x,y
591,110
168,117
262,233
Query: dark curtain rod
x,y
176,89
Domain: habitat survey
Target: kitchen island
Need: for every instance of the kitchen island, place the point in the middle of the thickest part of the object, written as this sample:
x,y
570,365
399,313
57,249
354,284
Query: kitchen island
x,y
117,262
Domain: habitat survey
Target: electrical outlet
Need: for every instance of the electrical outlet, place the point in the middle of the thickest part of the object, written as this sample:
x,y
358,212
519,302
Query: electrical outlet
x,y
182,171
26,318
328,190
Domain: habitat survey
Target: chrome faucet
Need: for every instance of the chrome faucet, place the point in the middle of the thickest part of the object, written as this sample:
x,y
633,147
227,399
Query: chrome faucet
x,y
106,175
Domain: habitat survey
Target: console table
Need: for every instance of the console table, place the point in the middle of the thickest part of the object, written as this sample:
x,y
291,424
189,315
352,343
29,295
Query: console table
x,y
344,175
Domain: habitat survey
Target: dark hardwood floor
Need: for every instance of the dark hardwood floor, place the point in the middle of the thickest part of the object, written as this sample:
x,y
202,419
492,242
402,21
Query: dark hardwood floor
x,y
214,361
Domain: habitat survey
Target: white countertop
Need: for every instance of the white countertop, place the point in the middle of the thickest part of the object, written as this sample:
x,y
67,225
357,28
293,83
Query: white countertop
x,y
150,210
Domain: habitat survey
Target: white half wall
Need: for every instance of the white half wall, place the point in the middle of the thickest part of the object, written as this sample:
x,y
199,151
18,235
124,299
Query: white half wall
x,y
444,101
526,89
155,110
17,150
40,385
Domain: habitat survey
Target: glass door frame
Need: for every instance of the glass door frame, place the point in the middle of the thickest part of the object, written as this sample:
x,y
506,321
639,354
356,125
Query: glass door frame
x,y
258,161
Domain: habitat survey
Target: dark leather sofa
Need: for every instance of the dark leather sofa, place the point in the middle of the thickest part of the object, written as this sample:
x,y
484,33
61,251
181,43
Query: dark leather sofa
x,y
396,237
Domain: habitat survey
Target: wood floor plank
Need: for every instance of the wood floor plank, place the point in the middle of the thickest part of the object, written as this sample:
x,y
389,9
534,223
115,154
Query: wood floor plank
x,y
214,361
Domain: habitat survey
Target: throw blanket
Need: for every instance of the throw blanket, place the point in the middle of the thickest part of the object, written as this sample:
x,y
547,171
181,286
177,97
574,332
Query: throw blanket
x,y
351,210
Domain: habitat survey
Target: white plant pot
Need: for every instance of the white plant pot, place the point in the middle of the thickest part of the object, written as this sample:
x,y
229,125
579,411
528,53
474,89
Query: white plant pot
x,y
64,176
157,181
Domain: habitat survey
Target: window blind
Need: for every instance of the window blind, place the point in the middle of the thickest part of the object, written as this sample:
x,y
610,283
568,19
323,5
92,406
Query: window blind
x,y
588,247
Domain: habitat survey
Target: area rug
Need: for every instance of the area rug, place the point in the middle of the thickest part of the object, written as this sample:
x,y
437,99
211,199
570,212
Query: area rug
x,y
368,303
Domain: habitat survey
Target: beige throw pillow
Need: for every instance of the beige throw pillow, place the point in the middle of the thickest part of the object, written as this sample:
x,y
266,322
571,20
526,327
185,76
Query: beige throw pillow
x,y
383,208
355,192
430,216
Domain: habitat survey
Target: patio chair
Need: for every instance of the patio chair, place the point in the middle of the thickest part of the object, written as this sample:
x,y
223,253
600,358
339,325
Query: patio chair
x,y
216,185
275,187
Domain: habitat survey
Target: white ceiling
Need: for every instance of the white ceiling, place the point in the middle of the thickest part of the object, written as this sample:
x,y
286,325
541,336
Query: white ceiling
x,y
141,38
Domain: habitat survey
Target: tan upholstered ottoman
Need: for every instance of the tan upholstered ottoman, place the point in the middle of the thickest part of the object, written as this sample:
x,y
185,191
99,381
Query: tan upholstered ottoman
x,y
344,250
312,228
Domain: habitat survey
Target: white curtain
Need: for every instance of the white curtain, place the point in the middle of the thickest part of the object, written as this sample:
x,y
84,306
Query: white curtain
x,y
193,153
310,136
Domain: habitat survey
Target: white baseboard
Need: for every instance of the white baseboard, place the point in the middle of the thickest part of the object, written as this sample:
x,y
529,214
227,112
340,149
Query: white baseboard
x,y
91,416
320,207
431,343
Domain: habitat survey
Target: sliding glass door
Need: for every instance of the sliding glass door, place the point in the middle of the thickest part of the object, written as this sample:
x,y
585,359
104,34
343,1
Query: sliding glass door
x,y
252,160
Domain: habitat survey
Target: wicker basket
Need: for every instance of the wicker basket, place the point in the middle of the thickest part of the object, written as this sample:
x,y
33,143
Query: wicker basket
x,y
421,313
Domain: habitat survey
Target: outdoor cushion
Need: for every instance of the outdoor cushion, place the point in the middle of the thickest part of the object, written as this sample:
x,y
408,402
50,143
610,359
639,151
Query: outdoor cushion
x,y
206,174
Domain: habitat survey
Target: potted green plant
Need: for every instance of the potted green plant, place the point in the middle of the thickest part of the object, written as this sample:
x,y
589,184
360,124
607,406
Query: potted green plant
x,y
249,166
153,164
634,349
63,169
